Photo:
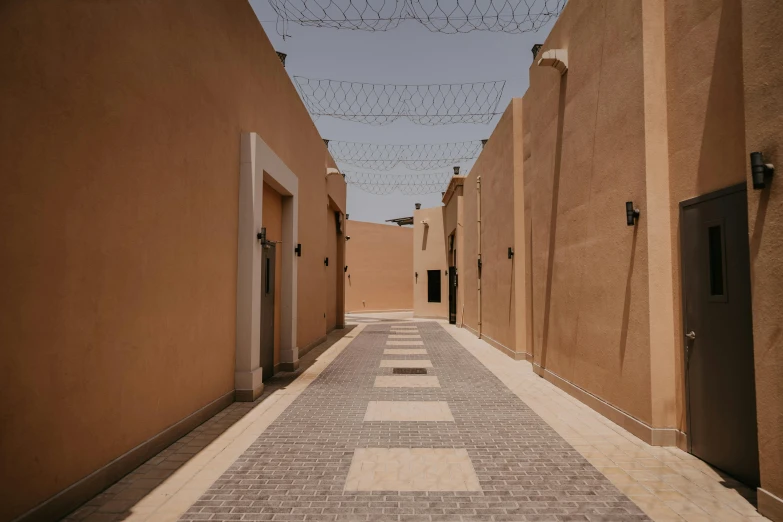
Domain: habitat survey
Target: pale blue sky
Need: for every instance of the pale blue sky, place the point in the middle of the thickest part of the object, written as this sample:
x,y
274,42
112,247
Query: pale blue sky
x,y
409,54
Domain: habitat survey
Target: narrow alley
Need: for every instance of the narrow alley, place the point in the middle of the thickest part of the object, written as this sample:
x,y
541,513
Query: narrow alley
x,y
417,420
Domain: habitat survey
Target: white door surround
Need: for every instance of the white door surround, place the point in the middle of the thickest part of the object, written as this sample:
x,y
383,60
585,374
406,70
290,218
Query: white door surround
x,y
259,164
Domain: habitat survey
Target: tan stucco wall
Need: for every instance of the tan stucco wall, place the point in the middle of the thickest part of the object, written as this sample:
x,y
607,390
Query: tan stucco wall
x,y
589,278
705,120
495,165
430,253
272,218
380,265
762,33
119,168
467,313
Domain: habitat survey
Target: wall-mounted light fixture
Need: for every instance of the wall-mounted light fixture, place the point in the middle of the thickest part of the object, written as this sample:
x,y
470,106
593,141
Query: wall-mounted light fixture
x,y
282,57
326,142
535,50
326,261
456,170
261,236
484,143
479,264
417,275
418,206
759,170
446,273
347,238
631,214
345,269
298,250
510,252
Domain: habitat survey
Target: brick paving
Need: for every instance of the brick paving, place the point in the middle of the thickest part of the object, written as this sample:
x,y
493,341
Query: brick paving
x,y
297,469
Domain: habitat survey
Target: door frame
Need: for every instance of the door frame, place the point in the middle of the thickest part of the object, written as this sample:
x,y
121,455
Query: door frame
x,y
258,164
739,187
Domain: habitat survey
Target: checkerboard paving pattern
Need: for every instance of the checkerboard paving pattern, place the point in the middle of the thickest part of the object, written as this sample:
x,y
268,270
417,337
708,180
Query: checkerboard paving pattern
x,y
305,465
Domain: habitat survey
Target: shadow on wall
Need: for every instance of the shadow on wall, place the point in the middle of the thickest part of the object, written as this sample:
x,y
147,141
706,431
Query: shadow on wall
x,y
553,213
721,159
627,303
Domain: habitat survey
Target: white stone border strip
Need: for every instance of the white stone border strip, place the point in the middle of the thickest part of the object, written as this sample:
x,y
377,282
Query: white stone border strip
x,y
176,494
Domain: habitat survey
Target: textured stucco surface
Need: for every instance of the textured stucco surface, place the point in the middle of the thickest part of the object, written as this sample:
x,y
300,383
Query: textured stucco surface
x,y
589,287
429,253
380,263
705,120
119,168
763,66
495,165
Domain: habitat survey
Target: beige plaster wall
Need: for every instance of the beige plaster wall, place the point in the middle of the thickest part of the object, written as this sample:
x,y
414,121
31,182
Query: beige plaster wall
x,y
119,166
380,266
762,32
705,120
588,276
272,218
430,253
495,165
467,312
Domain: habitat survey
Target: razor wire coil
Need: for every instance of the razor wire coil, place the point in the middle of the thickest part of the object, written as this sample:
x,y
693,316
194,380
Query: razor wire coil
x,y
383,183
439,16
382,104
418,157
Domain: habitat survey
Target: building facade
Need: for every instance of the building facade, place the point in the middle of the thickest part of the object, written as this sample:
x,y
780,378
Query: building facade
x,y
613,234
168,206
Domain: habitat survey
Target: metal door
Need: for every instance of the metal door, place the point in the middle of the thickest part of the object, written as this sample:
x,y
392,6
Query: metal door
x,y
452,295
268,310
720,380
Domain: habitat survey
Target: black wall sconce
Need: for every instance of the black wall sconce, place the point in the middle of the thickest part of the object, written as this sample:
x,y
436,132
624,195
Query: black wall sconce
x,y
326,261
456,171
510,252
261,236
298,250
631,214
759,170
345,269
479,264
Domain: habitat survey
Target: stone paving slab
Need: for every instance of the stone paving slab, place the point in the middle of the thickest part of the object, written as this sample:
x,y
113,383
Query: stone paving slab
x,y
299,467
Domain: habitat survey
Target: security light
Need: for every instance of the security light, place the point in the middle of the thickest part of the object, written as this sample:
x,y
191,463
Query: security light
x,y
631,214
759,170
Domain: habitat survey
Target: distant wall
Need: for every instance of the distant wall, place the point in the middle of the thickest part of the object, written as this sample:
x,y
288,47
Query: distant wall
x,y
380,267
119,183
429,253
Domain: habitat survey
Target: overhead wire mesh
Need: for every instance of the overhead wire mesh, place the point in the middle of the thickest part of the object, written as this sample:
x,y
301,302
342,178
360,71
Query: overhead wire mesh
x,y
384,183
418,157
440,16
382,104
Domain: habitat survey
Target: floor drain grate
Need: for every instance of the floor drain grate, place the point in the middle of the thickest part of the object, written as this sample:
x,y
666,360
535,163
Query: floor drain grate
x,y
407,371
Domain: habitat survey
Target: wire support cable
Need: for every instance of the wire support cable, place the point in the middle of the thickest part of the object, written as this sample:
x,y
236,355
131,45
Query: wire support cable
x,y
418,157
382,104
438,16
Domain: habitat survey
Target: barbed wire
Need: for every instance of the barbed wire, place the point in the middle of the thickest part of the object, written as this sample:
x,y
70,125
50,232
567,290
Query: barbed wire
x,y
420,156
439,16
384,183
382,104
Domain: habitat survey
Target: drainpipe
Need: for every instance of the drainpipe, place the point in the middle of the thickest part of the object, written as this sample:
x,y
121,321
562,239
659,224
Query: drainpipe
x,y
478,243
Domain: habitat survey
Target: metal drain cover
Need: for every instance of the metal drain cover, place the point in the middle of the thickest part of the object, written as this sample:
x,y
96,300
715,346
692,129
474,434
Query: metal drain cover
x,y
408,371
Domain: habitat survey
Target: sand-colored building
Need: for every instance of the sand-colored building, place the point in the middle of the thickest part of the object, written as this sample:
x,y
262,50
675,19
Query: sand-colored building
x,y
378,267
168,214
668,320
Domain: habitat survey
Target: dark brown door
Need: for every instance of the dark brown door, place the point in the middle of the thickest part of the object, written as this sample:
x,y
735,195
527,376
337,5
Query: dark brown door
x,y
452,295
268,310
720,381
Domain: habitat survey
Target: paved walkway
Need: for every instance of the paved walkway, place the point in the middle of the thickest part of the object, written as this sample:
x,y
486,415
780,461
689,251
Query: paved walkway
x,y
419,421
